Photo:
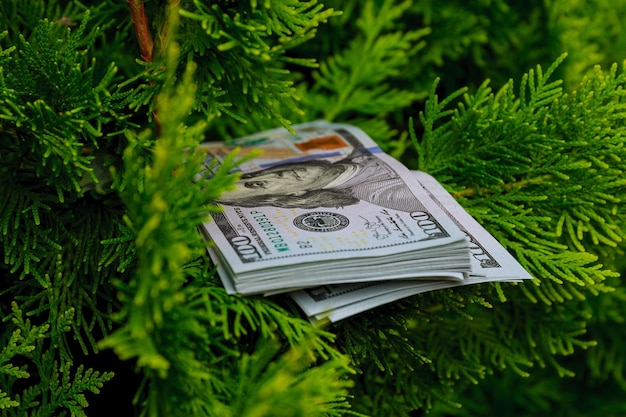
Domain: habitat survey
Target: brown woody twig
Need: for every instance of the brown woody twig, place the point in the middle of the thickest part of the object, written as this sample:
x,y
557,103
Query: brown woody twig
x,y
140,23
144,39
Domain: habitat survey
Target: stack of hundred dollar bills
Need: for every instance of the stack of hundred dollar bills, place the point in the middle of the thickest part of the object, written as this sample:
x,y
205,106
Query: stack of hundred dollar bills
x,y
327,217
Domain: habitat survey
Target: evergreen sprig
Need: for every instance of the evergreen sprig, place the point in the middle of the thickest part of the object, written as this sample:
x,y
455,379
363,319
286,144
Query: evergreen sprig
x,y
361,81
22,341
49,88
510,154
161,208
55,111
355,79
172,295
288,385
58,388
242,51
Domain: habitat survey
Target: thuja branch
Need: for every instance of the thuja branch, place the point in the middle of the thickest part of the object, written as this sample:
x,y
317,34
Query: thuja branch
x,y
140,23
473,191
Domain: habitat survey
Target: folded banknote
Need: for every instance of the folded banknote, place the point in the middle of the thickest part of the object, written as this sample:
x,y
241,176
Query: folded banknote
x,y
326,216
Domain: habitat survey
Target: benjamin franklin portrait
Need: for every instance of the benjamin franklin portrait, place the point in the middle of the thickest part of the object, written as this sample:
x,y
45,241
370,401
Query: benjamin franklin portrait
x,y
318,183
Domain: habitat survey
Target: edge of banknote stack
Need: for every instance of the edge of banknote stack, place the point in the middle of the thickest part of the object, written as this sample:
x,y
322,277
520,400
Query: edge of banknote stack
x,y
330,219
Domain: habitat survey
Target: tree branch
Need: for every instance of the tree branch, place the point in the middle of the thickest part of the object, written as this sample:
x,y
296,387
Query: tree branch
x,y
144,39
473,191
142,30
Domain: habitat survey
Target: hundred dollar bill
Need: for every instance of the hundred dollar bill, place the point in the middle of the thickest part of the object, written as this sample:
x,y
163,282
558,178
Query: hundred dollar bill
x,y
490,262
327,206
373,296
488,256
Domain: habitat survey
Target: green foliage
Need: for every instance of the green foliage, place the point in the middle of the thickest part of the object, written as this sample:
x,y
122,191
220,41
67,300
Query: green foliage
x,y
284,386
355,81
59,388
102,197
49,88
54,149
172,298
242,51
499,139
